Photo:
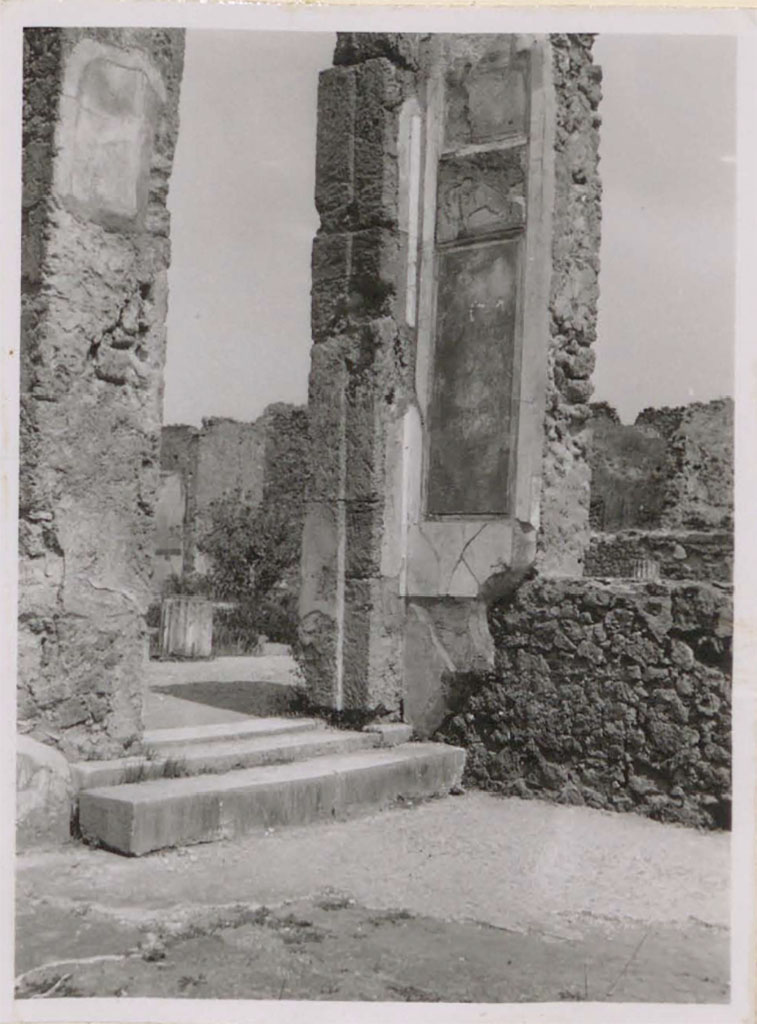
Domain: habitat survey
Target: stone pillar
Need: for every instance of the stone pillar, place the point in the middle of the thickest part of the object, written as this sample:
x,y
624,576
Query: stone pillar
x,y
454,277
100,125
361,376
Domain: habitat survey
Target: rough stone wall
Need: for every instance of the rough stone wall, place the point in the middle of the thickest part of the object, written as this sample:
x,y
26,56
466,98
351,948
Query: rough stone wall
x,y
672,469
100,125
699,465
615,695
564,526
230,456
178,449
662,490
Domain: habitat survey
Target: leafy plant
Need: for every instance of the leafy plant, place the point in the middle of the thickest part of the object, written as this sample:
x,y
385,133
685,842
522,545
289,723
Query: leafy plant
x,y
249,548
190,585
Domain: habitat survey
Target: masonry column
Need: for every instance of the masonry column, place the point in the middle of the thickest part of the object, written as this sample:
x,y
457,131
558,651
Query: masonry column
x,y
454,297
100,126
361,373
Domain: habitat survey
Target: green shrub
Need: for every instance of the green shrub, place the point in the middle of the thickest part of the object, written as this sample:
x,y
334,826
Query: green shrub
x,y
236,630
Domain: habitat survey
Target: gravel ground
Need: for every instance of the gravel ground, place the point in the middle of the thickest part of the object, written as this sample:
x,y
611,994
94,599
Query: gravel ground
x,y
483,899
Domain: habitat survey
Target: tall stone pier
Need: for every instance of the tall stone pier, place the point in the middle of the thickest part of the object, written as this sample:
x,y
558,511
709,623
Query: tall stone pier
x,y
100,126
454,306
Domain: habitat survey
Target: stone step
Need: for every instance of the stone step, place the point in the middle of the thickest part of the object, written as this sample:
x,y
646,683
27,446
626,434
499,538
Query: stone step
x,y
160,740
224,756
137,818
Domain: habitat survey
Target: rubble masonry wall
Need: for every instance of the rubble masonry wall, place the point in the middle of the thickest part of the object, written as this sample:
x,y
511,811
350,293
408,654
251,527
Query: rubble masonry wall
x,y
576,232
613,694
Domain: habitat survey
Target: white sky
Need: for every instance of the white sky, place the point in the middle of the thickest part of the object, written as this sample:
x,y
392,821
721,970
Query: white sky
x,y
243,222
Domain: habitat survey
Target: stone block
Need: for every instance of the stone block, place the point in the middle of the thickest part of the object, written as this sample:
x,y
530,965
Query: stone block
x,y
386,682
327,413
442,639
379,94
319,643
136,819
320,552
330,265
334,162
360,621
376,267
319,600
44,794
392,734
363,441
372,664
364,536
403,49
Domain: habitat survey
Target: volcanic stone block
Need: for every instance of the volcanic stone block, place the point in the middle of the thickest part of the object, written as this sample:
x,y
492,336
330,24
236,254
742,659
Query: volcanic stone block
x,y
379,93
375,266
335,143
330,268
402,48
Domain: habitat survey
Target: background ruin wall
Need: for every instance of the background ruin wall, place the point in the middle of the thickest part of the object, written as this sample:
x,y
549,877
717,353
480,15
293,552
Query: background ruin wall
x,y
662,492
262,459
100,122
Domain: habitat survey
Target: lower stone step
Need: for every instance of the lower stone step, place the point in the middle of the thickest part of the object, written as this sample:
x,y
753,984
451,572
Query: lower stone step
x,y
138,818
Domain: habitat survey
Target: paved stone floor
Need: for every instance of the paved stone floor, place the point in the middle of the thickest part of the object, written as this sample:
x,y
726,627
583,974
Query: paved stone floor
x,y
470,898
183,693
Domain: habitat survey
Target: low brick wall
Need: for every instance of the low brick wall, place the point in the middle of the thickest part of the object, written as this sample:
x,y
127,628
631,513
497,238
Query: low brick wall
x,y
611,694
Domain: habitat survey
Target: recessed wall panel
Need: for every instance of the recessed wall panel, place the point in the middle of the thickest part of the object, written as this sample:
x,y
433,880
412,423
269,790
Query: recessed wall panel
x,y
470,416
